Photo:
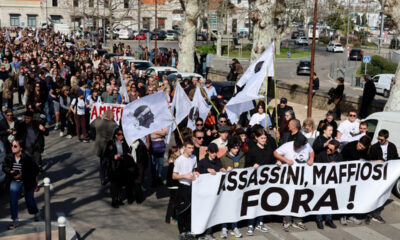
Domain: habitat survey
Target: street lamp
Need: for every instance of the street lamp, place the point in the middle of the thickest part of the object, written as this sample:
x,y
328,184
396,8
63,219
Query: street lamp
x,y
310,84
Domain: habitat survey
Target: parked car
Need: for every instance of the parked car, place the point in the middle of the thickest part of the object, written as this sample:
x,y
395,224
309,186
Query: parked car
x,y
225,90
139,64
304,67
172,36
391,122
298,33
141,36
160,35
356,54
125,34
302,41
201,37
335,47
383,83
160,71
174,31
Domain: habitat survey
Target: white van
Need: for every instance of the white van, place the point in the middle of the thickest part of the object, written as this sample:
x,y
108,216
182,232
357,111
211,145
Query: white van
x,y
383,83
391,122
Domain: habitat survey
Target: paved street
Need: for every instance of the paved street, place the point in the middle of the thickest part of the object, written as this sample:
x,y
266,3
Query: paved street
x,y
77,194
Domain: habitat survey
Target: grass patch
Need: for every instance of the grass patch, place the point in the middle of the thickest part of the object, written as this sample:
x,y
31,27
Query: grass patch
x,y
294,53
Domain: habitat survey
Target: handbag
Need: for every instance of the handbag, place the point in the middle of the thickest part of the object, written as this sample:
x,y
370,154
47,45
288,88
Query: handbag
x,y
336,101
158,146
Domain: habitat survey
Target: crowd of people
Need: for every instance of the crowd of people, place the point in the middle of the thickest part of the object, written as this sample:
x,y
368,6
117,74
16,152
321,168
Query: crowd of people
x,y
58,81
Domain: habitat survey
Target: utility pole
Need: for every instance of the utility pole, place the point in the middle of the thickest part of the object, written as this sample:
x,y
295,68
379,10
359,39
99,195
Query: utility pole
x,y
310,83
381,31
348,27
155,34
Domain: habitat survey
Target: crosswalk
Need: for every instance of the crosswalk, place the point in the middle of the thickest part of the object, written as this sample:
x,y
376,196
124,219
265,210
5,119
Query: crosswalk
x,y
370,232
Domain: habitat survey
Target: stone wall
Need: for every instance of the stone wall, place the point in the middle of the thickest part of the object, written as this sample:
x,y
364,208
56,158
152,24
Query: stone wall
x,y
299,94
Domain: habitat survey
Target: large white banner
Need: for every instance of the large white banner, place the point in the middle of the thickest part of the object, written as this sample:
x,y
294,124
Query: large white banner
x,y
298,190
146,115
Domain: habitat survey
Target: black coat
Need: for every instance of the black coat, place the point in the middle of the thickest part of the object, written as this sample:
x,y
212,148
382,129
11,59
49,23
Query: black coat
x,y
4,134
350,152
375,152
369,92
206,163
29,170
21,128
118,169
318,144
333,124
281,114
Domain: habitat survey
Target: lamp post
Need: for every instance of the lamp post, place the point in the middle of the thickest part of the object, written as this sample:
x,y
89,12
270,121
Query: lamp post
x,y
310,84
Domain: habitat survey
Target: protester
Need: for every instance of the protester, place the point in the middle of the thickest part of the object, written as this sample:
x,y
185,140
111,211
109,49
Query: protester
x,y
65,103
337,96
21,173
198,139
381,151
298,151
210,89
222,140
7,129
78,107
315,85
157,150
367,97
309,130
280,113
184,172
235,70
260,115
349,127
170,217
329,119
320,144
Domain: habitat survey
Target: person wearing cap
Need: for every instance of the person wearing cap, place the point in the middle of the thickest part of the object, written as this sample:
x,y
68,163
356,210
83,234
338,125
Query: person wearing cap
x,y
298,151
367,97
222,140
210,164
282,109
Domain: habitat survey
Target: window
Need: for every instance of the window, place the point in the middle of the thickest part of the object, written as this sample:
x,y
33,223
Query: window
x,y
239,1
31,20
55,3
91,3
146,23
372,123
14,19
76,3
234,25
161,23
56,18
126,3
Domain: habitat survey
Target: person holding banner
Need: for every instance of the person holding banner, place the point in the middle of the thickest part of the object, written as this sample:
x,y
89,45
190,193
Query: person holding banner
x,y
298,151
233,159
330,155
260,153
185,173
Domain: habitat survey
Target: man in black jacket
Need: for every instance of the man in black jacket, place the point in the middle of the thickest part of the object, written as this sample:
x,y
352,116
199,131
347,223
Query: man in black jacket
x,y
32,132
381,151
357,150
368,96
282,109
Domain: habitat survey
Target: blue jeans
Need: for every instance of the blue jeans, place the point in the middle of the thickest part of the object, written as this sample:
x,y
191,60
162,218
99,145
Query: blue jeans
x,y
49,109
328,217
15,189
157,165
257,220
233,225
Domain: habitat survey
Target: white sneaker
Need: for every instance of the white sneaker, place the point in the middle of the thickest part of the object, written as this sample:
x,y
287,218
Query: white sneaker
x,y
224,233
262,228
236,232
354,220
61,134
343,220
69,136
250,230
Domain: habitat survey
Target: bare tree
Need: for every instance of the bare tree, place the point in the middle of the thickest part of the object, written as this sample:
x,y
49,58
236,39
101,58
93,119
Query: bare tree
x,y
187,41
271,20
392,8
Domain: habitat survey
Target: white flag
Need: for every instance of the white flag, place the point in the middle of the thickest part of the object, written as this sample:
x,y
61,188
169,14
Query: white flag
x,y
254,71
200,108
145,115
7,36
243,101
181,103
124,91
19,35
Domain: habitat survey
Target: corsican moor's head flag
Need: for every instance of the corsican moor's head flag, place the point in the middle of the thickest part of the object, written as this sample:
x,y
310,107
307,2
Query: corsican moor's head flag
x,y
243,101
145,115
200,108
255,70
181,103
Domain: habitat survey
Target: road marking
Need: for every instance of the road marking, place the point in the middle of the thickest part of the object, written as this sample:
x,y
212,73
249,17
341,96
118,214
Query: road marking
x,y
309,235
365,233
396,225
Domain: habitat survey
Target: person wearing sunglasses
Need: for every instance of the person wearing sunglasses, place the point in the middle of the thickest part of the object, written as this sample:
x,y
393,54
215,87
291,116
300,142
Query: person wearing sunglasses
x,y
349,127
199,124
7,129
381,151
330,155
222,121
21,172
198,141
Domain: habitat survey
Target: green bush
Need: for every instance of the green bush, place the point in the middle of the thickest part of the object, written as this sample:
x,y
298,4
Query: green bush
x,y
379,65
324,39
356,45
206,49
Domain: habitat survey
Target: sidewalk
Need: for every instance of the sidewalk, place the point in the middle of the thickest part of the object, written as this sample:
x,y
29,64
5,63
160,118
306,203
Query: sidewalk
x,y
30,230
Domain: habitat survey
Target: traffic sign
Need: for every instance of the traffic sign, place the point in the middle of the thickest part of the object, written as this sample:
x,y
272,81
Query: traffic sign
x,y
366,59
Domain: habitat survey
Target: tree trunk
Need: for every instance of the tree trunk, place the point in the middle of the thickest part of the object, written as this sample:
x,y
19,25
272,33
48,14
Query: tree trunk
x,y
263,26
111,49
393,104
187,41
219,44
278,41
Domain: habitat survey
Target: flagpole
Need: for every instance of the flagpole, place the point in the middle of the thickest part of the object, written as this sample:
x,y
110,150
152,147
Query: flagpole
x,y
176,124
212,104
266,100
276,101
